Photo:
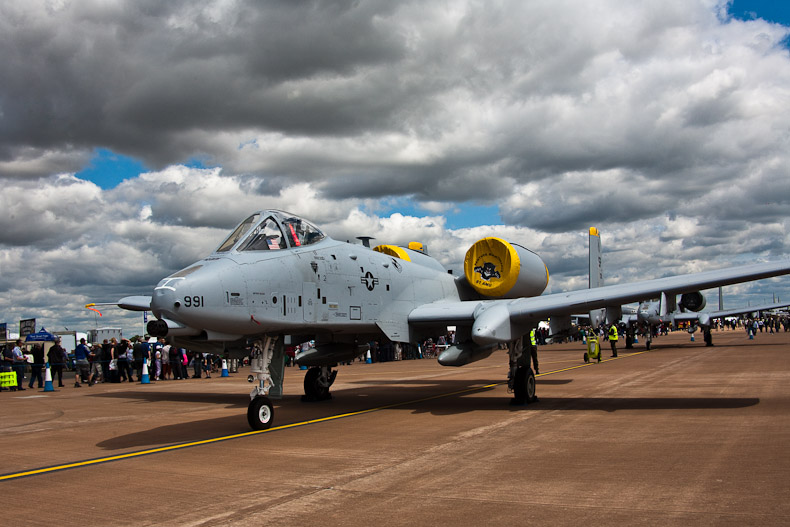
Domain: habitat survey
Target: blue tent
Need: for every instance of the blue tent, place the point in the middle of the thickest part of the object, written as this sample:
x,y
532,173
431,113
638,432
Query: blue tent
x,y
40,336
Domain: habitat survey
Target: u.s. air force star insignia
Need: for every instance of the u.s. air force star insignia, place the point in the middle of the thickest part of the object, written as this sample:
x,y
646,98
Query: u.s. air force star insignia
x,y
370,281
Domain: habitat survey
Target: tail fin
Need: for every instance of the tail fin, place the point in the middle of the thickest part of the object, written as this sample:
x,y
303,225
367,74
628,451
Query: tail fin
x,y
596,267
597,316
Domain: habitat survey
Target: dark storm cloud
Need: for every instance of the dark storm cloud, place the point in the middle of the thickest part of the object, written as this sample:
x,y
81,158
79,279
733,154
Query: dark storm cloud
x,y
662,123
131,76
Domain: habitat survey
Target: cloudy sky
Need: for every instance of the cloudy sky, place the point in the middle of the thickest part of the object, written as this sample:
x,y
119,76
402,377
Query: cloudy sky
x,y
135,134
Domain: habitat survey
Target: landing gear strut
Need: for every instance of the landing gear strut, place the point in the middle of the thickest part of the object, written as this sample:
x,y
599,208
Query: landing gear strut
x,y
260,412
708,337
317,382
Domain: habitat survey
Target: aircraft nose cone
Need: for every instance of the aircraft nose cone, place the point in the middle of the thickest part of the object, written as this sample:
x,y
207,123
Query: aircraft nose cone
x,y
163,301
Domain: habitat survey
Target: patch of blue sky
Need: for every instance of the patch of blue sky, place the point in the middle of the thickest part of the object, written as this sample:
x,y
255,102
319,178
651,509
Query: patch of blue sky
x,y
197,162
467,215
107,169
776,11
458,216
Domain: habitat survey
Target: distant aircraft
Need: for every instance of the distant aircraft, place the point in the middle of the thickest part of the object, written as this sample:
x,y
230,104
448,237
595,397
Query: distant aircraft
x,y
277,277
668,310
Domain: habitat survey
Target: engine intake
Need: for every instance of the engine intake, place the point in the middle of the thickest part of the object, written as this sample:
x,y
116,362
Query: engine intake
x,y
497,268
693,301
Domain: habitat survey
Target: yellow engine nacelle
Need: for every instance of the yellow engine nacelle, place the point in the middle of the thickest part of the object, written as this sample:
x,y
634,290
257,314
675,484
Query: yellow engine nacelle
x,y
497,268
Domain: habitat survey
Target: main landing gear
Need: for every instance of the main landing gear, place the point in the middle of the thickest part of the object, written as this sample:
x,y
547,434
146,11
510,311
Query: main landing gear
x,y
317,382
521,378
523,385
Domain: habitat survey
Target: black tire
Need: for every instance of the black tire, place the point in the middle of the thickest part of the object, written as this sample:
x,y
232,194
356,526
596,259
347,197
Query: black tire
x,y
524,385
586,357
260,413
647,345
312,388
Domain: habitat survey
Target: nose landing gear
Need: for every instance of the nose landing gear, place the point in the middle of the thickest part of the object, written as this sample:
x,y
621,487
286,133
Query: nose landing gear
x,y
260,413
267,364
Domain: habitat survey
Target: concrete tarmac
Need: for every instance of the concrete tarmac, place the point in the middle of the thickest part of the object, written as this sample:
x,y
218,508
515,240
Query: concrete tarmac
x,y
682,434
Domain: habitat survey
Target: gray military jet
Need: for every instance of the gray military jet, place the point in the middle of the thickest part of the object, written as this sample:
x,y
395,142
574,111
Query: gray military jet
x,y
277,277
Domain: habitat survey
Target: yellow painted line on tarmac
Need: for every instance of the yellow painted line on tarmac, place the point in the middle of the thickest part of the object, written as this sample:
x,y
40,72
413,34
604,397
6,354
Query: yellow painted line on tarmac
x,y
179,446
621,356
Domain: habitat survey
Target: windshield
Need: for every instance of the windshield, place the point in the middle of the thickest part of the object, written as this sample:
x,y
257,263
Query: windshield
x,y
236,235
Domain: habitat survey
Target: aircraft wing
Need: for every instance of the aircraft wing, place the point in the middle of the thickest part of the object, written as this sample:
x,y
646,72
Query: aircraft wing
x,y
131,303
494,320
730,312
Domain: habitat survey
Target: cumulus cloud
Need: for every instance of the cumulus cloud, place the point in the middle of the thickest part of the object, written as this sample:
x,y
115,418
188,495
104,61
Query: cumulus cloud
x,y
662,123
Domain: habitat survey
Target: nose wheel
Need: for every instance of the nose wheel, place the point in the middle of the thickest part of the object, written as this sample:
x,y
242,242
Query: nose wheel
x,y
260,413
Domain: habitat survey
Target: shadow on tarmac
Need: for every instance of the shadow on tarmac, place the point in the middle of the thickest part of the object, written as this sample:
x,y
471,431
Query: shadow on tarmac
x,y
696,345
178,433
236,400
456,384
613,404
583,404
291,410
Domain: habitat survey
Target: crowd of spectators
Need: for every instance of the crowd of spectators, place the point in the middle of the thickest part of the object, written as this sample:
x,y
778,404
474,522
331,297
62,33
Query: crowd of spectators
x,y
112,361
117,361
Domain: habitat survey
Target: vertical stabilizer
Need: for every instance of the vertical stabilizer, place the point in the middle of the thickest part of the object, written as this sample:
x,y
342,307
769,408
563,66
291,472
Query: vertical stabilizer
x,y
596,267
597,316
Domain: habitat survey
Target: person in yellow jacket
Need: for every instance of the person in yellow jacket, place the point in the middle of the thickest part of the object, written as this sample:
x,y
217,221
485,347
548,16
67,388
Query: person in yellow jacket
x,y
613,339
533,350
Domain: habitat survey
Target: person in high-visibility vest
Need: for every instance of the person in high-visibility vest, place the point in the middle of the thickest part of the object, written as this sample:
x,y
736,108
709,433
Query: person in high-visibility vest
x,y
533,350
613,339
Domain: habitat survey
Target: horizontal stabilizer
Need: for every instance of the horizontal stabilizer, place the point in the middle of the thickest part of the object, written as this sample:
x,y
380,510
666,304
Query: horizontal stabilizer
x,y
683,317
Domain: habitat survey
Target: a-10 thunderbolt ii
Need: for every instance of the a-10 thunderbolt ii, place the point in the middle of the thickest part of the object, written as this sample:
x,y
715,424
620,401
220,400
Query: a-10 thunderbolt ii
x,y
277,277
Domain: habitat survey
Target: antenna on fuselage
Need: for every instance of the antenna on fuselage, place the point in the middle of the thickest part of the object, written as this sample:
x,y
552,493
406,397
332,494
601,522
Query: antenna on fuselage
x,y
366,240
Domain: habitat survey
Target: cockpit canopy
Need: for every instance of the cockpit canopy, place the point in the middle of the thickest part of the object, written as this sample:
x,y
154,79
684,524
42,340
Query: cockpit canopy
x,y
271,230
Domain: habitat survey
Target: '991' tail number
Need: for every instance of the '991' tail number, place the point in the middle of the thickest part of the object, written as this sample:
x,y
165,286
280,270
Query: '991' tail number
x,y
193,301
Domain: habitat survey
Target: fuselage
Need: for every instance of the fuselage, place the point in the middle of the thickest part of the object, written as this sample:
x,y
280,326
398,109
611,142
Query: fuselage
x,y
295,287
